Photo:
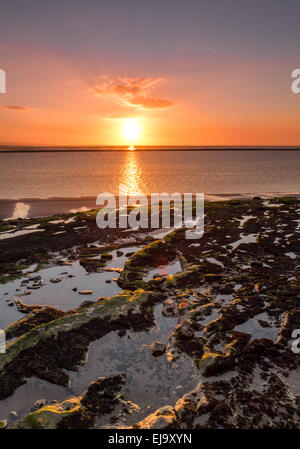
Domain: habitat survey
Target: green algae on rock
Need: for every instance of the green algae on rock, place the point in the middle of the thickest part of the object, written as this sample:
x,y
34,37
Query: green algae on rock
x,y
80,412
48,349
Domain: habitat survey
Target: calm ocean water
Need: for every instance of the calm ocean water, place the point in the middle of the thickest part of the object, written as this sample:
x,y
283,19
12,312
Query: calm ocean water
x,y
76,174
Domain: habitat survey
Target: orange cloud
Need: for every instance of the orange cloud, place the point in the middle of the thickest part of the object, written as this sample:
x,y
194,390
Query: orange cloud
x,y
14,108
132,92
121,116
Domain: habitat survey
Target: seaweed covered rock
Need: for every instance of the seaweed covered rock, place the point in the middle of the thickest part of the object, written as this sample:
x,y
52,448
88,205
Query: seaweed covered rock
x,y
152,255
163,418
80,412
221,352
291,322
35,318
50,349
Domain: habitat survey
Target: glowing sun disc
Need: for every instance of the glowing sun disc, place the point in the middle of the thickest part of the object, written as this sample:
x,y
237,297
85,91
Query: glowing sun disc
x,y
131,130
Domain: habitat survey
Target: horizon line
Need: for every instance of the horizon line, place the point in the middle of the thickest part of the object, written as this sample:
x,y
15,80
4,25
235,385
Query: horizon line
x,y
117,148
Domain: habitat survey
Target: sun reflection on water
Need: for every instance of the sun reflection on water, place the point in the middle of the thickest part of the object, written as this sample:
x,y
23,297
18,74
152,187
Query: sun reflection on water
x,y
132,175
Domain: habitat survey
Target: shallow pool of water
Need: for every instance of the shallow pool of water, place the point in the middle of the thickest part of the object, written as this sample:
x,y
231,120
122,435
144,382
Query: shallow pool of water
x,y
151,382
60,295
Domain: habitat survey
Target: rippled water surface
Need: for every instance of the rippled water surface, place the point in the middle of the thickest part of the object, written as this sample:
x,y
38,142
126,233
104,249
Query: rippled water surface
x,y
74,174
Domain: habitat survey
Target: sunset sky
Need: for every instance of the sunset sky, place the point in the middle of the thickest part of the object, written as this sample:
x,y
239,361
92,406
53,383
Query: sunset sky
x,y
212,72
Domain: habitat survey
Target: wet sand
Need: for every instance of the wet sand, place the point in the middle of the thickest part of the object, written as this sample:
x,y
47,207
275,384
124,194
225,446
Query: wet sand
x,y
41,207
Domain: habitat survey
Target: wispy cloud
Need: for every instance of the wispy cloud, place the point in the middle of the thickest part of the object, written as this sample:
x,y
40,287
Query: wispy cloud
x,y
122,115
132,92
14,108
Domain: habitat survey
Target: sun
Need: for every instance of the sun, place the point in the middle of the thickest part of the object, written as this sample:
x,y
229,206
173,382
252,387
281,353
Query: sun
x,y
131,130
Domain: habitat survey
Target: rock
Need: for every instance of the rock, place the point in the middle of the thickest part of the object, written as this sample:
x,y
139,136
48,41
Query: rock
x,y
169,307
10,304
215,362
33,287
34,277
184,329
119,253
264,323
212,277
106,256
101,394
163,418
26,308
183,279
35,317
158,348
209,364
291,321
81,412
197,402
74,289
131,253
91,264
226,289
13,414
26,293
86,303
3,423
40,403
108,281
85,292
55,280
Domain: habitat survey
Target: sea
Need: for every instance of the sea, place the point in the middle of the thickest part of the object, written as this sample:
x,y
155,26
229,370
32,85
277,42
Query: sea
x,y
59,179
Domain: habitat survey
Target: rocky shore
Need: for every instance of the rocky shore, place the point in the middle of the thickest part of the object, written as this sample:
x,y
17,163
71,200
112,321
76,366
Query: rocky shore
x,y
220,310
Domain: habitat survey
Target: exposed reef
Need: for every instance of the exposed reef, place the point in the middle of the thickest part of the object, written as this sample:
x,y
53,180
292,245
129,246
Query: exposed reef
x,y
233,297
